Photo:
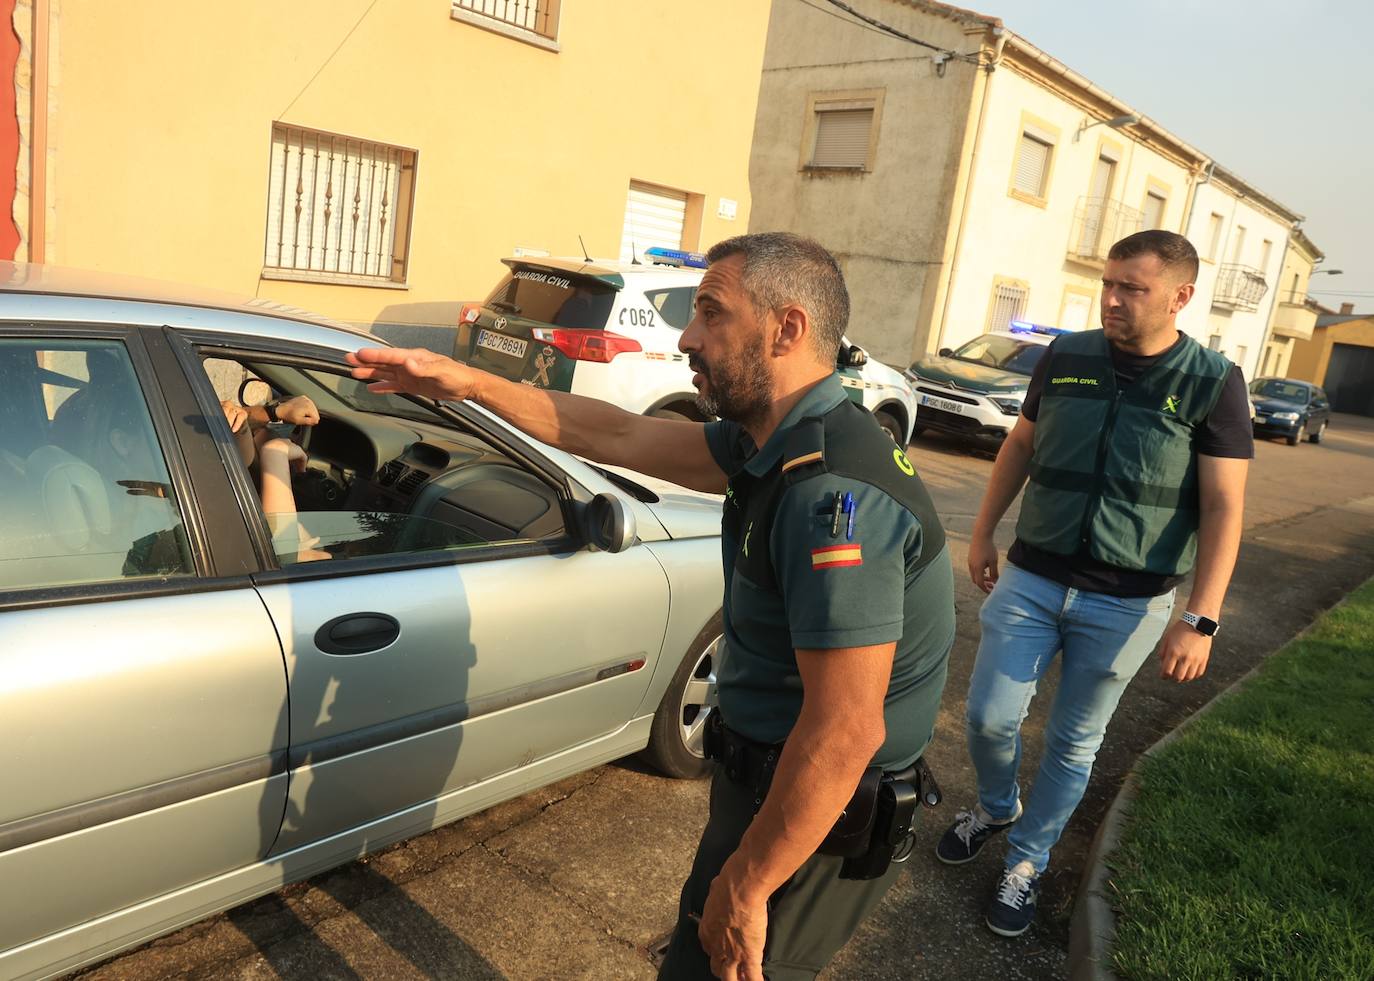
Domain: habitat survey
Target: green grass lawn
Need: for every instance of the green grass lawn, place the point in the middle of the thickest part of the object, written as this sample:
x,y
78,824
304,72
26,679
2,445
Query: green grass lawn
x,y
1249,852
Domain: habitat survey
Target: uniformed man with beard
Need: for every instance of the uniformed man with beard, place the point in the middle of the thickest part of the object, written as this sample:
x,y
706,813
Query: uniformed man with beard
x,y
838,608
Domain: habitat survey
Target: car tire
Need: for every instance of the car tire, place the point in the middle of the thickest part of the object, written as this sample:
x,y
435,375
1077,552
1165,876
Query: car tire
x,y
675,737
890,426
1318,435
1292,438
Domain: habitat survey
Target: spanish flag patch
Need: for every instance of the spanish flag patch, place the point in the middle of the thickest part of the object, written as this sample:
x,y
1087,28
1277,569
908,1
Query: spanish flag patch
x,y
833,556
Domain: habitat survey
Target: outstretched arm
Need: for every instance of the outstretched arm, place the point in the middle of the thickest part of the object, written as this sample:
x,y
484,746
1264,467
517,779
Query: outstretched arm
x,y
671,449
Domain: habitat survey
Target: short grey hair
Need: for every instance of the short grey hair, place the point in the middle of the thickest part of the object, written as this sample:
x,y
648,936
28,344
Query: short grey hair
x,y
782,269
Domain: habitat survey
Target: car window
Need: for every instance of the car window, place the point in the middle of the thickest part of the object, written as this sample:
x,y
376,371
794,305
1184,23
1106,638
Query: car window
x,y
552,297
1004,353
378,474
674,305
86,490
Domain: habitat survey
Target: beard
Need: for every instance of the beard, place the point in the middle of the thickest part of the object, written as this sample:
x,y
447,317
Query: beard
x,y
740,387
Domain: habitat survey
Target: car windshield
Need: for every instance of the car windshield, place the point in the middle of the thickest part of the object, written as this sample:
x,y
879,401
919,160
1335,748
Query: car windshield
x,y
1002,352
553,297
1277,388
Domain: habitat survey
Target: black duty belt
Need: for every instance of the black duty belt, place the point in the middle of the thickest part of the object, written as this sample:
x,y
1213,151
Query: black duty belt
x,y
873,830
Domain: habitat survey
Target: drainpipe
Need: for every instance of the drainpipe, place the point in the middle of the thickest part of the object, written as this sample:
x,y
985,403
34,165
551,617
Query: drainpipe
x,y
1192,194
38,136
1000,35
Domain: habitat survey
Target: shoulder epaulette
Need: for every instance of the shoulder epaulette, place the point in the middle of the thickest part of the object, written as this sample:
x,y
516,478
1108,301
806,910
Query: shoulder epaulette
x,y
805,447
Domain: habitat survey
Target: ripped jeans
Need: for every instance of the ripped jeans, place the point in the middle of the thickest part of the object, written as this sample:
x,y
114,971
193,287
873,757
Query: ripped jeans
x,y
1104,639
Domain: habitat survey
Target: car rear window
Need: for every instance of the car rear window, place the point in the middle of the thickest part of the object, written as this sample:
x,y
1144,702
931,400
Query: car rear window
x,y
553,297
674,305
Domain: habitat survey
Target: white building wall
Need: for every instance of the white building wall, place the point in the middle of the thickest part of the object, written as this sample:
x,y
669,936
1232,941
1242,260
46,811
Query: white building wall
x,y
1009,238
1237,334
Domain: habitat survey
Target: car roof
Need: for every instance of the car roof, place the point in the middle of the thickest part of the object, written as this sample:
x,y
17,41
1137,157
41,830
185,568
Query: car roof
x,y
602,267
41,291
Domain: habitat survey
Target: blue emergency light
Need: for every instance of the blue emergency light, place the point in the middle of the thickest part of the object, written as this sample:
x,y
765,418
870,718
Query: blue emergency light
x,y
675,257
1026,327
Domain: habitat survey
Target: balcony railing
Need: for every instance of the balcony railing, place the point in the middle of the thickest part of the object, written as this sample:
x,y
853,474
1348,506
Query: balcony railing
x,y
1097,224
1239,288
536,16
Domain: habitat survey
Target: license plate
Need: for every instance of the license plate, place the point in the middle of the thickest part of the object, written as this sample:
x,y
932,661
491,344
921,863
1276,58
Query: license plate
x,y
943,404
1260,418
514,346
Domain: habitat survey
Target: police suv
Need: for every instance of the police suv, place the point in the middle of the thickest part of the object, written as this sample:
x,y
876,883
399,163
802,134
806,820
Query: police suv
x,y
610,330
977,390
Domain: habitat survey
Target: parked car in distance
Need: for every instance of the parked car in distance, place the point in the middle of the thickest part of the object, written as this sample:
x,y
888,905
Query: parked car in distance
x,y
203,702
610,330
976,391
1289,408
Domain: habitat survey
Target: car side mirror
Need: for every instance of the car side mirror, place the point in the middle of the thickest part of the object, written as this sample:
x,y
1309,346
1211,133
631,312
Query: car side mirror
x,y
856,357
609,523
945,352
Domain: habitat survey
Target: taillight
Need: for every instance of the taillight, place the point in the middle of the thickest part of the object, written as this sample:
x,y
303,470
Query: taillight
x,y
587,345
470,313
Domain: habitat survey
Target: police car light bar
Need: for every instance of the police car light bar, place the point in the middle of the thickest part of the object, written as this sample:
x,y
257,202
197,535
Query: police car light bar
x,y
675,257
1026,327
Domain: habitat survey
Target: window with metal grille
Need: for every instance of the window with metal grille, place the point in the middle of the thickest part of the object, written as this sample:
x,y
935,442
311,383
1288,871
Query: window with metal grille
x,y
1008,304
338,208
843,137
536,16
1154,210
1032,165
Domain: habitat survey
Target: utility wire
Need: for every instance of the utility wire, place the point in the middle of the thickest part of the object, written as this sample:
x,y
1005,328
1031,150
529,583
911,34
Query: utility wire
x,y
331,57
879,27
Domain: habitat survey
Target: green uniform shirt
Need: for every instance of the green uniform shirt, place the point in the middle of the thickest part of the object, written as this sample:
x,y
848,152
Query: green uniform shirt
x,y
831,591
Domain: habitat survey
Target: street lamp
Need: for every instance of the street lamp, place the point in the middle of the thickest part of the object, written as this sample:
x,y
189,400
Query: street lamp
x,y
1114,123
1328,272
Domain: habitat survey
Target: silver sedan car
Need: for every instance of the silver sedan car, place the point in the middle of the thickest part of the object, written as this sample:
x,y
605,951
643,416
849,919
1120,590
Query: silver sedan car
x,y
237,653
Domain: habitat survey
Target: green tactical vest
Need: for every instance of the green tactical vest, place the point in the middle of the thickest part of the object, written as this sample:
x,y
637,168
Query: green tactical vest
x,y
1113,470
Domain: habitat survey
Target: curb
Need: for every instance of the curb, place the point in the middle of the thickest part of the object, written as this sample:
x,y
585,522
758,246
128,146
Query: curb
x,y
1092,927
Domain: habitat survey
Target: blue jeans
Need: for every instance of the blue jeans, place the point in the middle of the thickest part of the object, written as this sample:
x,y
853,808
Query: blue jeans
x,y
1026,621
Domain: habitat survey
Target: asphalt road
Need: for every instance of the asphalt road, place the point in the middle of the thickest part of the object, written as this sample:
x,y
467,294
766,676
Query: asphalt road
x,y
580,880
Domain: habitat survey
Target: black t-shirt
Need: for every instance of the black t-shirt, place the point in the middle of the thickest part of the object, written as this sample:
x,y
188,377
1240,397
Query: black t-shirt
x,y
1226,432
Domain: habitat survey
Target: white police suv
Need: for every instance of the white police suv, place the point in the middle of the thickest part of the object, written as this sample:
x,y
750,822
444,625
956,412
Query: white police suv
x,y
977,390
610,330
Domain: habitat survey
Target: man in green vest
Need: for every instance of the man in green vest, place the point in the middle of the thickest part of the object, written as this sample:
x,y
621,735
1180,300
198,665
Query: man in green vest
x,y
1135,441
838,606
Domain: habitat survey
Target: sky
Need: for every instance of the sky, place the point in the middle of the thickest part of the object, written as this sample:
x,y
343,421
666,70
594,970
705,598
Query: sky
x,y
1279,93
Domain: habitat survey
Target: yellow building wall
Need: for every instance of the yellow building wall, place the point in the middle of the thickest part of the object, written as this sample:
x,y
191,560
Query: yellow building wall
x,y
1311,358
162,122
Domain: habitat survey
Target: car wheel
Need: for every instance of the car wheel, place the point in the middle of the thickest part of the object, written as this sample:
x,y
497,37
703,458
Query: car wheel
x,y
1317,436
1292,439
675,739
890,426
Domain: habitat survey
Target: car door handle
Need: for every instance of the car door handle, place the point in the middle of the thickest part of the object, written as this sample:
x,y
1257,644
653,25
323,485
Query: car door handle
x,y
357,633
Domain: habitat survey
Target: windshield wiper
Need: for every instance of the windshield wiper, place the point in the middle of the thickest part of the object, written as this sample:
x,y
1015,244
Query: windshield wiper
x,y
503,305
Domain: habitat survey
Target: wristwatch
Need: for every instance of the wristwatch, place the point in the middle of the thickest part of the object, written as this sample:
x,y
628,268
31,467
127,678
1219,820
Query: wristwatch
x,y
1203,625
271,409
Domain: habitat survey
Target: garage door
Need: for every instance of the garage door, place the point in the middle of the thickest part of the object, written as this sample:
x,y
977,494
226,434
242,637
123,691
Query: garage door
x,y
1350,379
653,216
